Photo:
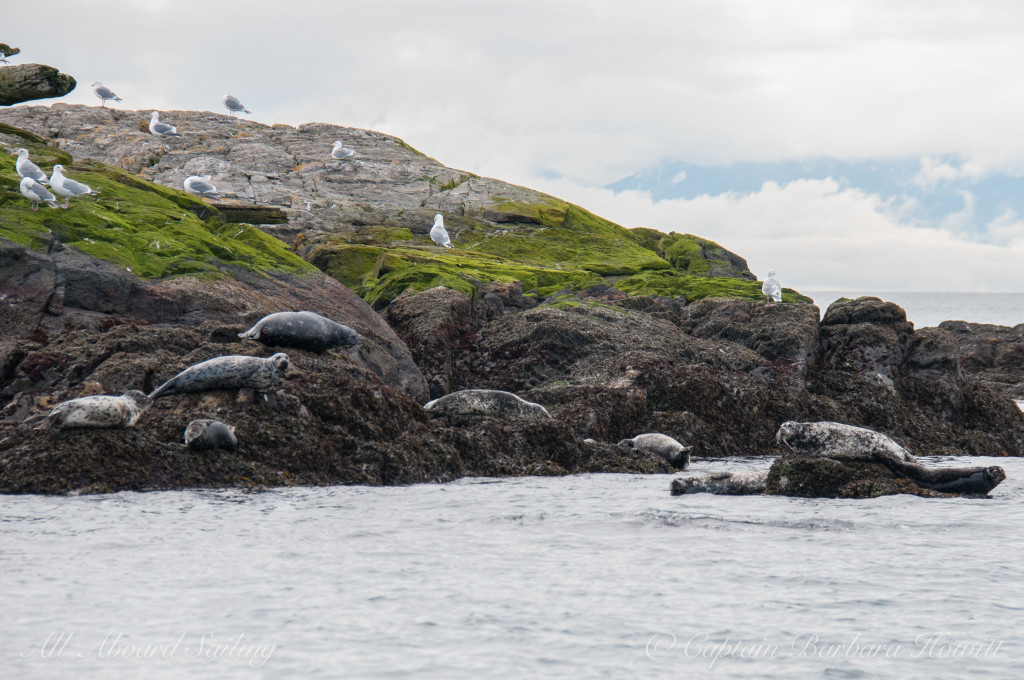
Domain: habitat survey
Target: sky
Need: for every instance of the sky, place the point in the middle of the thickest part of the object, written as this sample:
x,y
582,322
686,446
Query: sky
x,y
571,96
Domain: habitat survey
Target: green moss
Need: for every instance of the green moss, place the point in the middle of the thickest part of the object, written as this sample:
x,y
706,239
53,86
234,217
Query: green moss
x,y
552,233
152,230
350,264
389,234
693,288
647,238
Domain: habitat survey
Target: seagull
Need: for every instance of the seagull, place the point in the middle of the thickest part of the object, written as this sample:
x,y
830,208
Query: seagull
x,y
27,168
161,129
339,151
200,186
233,105
104,93
67,187
771,287
438,234
3,58
37,193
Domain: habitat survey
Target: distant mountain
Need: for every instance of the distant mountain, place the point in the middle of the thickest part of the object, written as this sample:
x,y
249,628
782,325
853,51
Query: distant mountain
x,y
929,190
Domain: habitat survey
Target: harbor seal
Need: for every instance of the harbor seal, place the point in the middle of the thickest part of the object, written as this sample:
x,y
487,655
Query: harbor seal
x,y
838,440
101,410
226,373
846,442
302,330
206,434
722,483
494,403
661,445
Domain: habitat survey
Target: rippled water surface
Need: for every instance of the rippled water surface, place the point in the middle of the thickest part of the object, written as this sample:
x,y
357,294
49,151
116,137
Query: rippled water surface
x,y
594,576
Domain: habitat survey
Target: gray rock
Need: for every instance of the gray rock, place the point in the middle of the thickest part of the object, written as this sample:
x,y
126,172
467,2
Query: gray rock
x,y
28,82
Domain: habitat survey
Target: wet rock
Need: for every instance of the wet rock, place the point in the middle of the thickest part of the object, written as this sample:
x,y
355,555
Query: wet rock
x,y
813,477
990,353
330,421
436,325
786,333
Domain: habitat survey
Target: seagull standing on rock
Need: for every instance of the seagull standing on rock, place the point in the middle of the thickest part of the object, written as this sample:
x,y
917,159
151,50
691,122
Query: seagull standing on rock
x,y
200,186
37,193
104,93
234,106
161,129
438,234
67,187
27,168
771,287
340,151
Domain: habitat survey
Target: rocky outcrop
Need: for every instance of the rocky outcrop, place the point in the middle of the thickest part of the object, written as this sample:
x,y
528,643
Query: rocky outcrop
x,y
329,421
816,477
719,374
28,82
990,353
365,220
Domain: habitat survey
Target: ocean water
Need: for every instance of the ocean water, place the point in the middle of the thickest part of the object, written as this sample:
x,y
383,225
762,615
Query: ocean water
x,y
931,309
590,576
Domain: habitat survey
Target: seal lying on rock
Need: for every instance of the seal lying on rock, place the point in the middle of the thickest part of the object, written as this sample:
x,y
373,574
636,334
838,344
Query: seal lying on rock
x,y
661,445
302,330
846,442
838,440
722,483
494,403
225,373
98,411
205,434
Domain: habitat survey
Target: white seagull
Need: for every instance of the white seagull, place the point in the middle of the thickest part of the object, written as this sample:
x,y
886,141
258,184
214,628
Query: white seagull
x,y
200,186
161,129
37,193
438,234
771,287
104,93
67,187
27,168
233,105
339,151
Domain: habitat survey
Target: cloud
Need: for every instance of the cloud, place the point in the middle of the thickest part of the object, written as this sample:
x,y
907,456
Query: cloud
x,y
595,90
820,236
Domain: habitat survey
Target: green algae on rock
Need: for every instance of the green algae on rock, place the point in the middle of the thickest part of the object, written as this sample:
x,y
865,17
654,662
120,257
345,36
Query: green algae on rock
x,y
149,229
27,82
693,287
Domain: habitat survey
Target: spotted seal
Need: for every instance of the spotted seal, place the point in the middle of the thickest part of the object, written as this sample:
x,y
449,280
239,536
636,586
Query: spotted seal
x,y
661,445
847,442
495,403
722,483
302,330
101,410
226,373
205,434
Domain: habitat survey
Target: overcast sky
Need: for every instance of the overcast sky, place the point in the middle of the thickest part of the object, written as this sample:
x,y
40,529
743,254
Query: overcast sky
x,y
566,96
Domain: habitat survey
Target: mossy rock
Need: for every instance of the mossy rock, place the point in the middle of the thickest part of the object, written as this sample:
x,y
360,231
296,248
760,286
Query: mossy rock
x,y
555,233
152,230
693,288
